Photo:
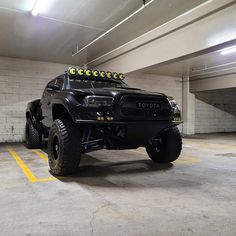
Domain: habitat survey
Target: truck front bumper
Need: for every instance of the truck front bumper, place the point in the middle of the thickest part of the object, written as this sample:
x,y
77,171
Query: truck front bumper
x,y
128,122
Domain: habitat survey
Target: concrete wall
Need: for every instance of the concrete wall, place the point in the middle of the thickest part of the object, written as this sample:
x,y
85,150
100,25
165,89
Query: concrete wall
x,y
20,82
215,111
214,83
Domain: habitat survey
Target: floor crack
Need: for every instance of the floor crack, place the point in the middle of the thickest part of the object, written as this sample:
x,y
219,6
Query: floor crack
x,y
94,214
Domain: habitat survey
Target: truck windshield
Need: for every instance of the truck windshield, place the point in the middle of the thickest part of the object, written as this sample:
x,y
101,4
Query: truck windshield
x,y
88,84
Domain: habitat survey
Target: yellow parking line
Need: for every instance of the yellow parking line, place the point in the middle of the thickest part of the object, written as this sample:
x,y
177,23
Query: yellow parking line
x,y
40,154
28,173
210,145
31,177
46,179
187,160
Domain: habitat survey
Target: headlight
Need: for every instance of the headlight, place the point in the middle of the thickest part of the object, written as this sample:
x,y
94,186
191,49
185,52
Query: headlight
x,y
175,109
97,101
173,103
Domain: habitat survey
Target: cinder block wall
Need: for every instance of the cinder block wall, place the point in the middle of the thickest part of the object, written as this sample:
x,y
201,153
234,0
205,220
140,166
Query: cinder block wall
x,y
20,82
215,111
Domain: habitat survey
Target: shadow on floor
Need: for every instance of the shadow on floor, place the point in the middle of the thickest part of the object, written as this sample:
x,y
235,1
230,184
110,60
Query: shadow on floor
x,y
93,171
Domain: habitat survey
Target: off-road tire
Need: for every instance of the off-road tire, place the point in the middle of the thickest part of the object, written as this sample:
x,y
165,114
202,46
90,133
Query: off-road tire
x,y
169,148
65,158
33,138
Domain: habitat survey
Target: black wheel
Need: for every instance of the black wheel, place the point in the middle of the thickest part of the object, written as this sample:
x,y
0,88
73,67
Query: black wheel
x,y
168,148
33,137
64,147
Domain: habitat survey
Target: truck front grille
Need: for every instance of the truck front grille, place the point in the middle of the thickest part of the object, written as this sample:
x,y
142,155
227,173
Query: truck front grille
x,y
142,107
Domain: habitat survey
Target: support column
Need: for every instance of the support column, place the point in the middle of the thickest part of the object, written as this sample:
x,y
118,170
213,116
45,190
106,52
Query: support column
x,y
188,108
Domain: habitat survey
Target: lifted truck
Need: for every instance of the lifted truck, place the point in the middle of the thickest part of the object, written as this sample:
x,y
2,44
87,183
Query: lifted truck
x,y
83,110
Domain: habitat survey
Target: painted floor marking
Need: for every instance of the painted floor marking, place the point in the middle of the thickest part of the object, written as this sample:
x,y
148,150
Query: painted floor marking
x,y
208,145
40,154
26,170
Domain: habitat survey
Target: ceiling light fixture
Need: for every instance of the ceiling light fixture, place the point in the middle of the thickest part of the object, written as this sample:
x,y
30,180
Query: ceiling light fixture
x,y
34,11
228,50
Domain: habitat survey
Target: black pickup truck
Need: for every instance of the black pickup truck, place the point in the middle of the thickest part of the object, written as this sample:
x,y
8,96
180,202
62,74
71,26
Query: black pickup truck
x,y
84,110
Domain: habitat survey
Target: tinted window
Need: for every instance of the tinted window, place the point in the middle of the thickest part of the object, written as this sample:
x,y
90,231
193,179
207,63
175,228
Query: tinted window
x,y
86,84
60,82
51,83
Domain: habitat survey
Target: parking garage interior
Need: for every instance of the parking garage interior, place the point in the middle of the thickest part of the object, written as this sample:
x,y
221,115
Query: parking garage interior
x,y
184,49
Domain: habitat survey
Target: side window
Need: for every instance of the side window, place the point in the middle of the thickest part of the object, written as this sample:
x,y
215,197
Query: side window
x,y
51,83
60,82
45,90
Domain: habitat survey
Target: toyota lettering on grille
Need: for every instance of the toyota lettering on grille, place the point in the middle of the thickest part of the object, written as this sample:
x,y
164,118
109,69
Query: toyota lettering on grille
x,y
148,105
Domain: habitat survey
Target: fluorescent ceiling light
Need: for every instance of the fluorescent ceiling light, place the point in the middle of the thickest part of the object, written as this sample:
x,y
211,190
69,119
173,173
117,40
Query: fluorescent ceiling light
x,y
35,11
228,50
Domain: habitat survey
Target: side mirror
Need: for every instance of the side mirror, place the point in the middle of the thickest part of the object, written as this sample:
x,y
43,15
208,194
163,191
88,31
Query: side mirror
x,y
54,87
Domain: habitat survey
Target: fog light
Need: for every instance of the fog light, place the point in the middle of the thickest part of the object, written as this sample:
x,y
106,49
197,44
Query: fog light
x,y
110,118
177,118
100,118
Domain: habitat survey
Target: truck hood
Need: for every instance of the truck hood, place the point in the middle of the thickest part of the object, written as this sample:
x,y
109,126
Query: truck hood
x,y
116,92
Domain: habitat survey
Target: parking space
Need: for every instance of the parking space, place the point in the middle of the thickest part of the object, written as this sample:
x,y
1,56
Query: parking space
x,y
122,192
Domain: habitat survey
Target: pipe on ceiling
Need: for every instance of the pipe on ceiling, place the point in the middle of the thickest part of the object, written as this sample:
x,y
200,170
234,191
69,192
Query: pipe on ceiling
x,y
145,4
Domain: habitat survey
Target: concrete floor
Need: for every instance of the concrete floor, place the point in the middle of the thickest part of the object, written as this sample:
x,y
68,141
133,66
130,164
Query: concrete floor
x,y
122,192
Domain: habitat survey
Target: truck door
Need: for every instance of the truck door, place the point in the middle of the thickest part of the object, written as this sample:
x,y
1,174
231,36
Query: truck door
x,y
46,99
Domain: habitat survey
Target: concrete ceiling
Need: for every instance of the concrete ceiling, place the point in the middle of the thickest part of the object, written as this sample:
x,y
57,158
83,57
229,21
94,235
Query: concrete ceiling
x,y
61,25
206,65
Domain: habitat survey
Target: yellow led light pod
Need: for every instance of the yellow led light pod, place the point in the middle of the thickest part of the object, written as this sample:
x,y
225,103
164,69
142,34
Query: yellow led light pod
x,y
88,72
95,73
121,76
102,74
109,75
72,71
115,75
80,72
